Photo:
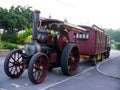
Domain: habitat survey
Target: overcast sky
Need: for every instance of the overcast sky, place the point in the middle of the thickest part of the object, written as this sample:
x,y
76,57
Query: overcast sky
x,y
104,13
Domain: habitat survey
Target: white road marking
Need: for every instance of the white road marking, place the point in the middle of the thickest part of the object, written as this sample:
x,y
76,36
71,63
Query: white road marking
x,y
54,84
16,85
26,84
2,89
98,68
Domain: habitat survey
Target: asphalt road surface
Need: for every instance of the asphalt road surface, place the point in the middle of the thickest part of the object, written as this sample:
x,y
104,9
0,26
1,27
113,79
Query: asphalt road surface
x,y
104,76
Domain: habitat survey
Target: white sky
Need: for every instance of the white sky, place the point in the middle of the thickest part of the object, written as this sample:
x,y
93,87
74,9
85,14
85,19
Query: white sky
x,y
104,13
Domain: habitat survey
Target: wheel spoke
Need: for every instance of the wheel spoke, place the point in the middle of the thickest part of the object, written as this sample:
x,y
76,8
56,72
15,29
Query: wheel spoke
x,y
11,62
41,61
35,67
13,58
14,70
39,75
19,58
21,64
19,68
11,68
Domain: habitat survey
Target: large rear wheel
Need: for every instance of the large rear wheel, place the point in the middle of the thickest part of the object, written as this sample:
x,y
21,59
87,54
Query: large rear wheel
x,y
70,59
38,68
13,65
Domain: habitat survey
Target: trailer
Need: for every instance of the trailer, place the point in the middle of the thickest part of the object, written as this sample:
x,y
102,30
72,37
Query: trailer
x,y
94,44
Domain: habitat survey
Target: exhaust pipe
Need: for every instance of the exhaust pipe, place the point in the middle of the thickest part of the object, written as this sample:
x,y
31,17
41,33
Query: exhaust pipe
x,y
35,25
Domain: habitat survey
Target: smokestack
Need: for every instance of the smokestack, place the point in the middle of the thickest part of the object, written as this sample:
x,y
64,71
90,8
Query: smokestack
x,y
35,25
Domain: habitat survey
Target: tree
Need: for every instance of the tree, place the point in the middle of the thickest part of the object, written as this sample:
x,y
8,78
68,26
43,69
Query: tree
x,y
65,20
15,19
114,34
3,13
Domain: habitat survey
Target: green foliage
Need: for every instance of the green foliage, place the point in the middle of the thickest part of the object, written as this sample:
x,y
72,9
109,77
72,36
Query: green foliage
x,y
21,38
28,39
114,34
10,46
15,19
1,45
118,45
11,38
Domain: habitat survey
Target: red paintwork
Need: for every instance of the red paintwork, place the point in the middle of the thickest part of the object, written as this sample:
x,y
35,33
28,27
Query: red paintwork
x,y
50,40
71,36
66,32
62,39
93,45
53,57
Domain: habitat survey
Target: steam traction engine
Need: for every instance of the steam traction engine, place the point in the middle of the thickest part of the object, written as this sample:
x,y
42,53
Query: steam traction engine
x,y
53,45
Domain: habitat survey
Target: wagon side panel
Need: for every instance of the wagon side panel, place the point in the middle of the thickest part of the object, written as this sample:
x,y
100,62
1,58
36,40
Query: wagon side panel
x,y
100,42
88,46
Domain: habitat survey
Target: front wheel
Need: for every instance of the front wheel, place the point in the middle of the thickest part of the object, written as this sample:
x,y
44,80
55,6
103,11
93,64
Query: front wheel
x,y
13,65
70,59
38,68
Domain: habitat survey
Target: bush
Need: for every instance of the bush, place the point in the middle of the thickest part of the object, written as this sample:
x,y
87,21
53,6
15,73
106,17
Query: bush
x,y
10,46
1,45
118,46
28,39
11,38
21,36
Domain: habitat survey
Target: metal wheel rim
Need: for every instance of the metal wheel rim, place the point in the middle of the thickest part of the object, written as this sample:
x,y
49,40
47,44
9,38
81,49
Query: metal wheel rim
x,y
15,66
40,68
73,60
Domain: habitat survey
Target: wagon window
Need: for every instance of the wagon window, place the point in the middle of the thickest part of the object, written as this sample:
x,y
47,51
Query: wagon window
x,y
77,35
82,36
87,36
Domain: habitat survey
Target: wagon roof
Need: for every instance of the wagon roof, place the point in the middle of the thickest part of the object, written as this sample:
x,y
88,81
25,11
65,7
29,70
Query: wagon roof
x,y
45,20
68,26
93,27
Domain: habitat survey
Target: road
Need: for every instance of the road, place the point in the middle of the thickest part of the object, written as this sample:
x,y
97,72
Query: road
x,y
100,77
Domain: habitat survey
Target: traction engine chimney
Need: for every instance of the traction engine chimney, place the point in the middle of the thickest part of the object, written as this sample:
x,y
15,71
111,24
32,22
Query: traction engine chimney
x,y
35,25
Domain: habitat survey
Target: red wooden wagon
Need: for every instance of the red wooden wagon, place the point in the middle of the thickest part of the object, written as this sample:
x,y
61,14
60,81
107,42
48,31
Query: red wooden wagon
x,y
93,44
